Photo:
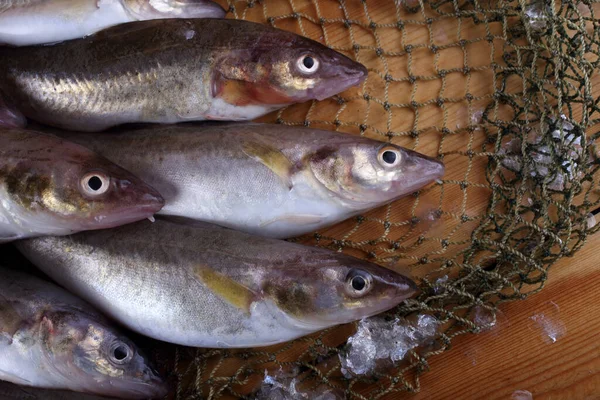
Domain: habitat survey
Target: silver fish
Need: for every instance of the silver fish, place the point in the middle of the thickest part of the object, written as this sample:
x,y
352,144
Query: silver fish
x,y
49,186
266,179
50,339
31,22
168,71
208,286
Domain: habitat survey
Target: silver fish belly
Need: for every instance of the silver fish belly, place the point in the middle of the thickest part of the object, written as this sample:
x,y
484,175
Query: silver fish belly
x,y
208,286
32,22
264,179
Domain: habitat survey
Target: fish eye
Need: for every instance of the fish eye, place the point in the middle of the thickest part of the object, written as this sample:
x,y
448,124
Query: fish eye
x,y
358,283
307,64
120,353
95,183
389,156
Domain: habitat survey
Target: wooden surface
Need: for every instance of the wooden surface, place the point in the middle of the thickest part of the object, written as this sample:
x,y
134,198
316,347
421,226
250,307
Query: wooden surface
x,y
519,355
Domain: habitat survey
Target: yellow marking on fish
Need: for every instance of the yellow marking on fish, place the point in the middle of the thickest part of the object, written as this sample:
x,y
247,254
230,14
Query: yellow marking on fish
x,y
271,158
226,288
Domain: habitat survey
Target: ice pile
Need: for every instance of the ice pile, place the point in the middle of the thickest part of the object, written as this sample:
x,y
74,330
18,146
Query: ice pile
x,y
378,342
564,146
284,387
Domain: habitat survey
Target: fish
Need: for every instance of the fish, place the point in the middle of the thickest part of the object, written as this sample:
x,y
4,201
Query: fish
x,y
168,71
10,391
33,22
50,186
265,179
202,285
53,340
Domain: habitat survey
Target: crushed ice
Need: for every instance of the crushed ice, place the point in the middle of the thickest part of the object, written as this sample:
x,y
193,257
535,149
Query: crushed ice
x,y
548,321
536,16
377,342
284,387
565,145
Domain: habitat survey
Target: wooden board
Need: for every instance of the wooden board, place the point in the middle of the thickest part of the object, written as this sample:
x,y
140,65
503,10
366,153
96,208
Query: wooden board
x,y
519,354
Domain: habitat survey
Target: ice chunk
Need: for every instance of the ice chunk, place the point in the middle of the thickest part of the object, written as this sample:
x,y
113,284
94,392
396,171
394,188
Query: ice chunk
x,y
378,341
521,395
282,386
548,321
536,16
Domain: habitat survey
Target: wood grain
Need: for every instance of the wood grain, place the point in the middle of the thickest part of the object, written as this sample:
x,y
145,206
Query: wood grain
x,y
519,355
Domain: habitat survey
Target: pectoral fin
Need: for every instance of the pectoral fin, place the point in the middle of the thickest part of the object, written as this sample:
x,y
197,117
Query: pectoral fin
x,y
226,288
272,158
10,116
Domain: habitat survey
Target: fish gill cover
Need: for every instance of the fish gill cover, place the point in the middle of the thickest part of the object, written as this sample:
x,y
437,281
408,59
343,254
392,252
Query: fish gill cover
x,y
503,93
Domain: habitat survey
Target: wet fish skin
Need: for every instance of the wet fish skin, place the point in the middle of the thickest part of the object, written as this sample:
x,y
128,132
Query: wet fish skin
x,y
50,339
45,188
167,71
264,179
10,391
208,286
32,22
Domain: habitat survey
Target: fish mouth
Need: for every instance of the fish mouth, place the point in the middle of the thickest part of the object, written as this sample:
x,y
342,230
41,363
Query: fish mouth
x,y
155,389
354,79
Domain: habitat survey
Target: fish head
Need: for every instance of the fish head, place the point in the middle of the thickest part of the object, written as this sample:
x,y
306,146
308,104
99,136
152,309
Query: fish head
x,y
80,190
158,9
338,291
282,68
365,173
86,351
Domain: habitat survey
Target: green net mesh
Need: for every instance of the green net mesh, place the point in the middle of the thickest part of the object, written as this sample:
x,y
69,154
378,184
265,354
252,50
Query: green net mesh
x,y
502,92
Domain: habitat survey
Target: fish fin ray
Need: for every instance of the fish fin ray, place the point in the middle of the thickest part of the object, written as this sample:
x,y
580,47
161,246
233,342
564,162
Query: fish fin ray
x,y
271,158
10,116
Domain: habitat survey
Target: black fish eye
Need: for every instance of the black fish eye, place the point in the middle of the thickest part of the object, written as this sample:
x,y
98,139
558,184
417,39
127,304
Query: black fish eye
x,y
358,283
120,353
94,183
308,62
389,157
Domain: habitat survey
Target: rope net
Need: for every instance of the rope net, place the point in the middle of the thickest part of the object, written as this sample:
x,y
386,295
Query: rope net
x,y
503,93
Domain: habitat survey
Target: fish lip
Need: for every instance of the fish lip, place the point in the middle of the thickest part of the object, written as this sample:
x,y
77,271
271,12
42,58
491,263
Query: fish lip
x,y
344,84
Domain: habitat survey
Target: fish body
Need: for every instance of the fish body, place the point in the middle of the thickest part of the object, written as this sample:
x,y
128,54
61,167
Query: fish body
x,y
167,71
208,286
10,391
49,186
265,179
50,339
32,22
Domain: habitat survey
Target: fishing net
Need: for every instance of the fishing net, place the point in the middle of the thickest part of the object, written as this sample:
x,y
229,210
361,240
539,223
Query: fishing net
x,y
503,93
